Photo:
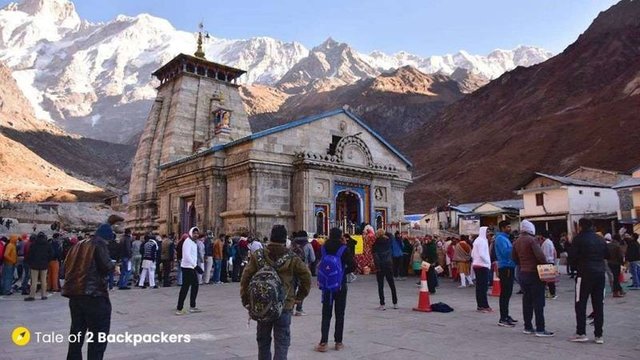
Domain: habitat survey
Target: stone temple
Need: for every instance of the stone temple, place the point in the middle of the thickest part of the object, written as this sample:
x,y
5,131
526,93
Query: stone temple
x,y
199,164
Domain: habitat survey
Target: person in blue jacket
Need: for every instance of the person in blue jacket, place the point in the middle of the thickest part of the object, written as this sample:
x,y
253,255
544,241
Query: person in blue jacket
x,y
506,269
396,252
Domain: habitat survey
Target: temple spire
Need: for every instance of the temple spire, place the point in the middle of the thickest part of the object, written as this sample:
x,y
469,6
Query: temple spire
x,y
199,52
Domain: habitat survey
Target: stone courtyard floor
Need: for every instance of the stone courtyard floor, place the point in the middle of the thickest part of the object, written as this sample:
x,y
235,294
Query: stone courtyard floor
x,y
220,331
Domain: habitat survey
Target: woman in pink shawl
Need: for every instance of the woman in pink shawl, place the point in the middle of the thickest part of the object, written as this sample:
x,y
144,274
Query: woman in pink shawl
x,y
366,258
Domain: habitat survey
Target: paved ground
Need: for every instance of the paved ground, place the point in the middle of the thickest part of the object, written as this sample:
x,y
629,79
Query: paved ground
x,y
221,332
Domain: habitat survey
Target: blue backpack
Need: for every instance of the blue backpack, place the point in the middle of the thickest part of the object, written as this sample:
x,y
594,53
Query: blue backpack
x,y
331,271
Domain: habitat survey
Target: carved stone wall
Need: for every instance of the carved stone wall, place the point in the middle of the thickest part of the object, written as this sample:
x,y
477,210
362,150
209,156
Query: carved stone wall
x,y
180,123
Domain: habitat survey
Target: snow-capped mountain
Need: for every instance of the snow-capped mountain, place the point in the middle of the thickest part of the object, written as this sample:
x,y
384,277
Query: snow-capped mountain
x,y
490,66
95,78
329,60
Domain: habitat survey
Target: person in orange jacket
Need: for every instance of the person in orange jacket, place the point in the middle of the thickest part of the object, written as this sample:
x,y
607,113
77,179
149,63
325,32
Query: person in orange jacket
x,y
9,261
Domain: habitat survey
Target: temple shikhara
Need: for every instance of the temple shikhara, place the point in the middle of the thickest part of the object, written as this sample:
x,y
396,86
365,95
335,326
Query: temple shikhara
x,y
199,164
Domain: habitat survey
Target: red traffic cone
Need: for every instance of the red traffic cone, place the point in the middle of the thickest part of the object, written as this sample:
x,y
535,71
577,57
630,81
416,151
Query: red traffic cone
x,y
495,287
424,304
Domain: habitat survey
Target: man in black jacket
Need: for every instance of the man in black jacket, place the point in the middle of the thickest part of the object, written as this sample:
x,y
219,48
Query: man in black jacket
x,y
126,255
633,257
86,268
589,252
38,260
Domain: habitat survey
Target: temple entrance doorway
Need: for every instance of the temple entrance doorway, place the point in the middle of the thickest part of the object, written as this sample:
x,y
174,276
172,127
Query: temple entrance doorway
x,y
348,211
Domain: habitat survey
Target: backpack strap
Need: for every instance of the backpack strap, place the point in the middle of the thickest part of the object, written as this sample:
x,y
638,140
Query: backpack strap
x,y
341,251
282,260
260,258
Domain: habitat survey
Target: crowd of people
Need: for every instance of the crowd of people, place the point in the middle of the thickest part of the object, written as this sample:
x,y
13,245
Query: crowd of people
x,y
275,273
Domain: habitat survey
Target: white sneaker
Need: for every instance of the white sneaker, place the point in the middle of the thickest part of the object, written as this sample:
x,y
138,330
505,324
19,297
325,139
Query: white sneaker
x,y
599,340
579,338
381,308
194,310
395,306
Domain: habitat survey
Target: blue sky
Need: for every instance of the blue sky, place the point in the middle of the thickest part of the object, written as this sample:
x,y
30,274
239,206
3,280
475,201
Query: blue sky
x,y
422,27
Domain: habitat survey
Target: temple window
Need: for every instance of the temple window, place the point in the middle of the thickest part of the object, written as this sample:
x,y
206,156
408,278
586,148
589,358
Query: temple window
x,y
334,143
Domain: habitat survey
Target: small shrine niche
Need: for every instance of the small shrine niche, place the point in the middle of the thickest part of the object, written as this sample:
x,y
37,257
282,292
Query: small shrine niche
x,y
221,119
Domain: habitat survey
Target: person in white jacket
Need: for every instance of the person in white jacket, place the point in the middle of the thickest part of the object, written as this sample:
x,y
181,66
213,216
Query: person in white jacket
x,y
189,275
550,254
481,263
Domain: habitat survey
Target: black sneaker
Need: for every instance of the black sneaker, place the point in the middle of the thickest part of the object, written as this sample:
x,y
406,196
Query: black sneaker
x,y
506,323
512,319
528,331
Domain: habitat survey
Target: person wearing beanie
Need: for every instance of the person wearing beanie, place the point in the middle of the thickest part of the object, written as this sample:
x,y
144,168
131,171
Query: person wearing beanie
x,y
383,259
615,261
527,254
590,252
303,249
189,263
292,268
337,300
38,261
86,268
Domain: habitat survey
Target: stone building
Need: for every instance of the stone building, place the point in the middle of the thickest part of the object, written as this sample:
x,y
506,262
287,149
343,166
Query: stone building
x,y
199,164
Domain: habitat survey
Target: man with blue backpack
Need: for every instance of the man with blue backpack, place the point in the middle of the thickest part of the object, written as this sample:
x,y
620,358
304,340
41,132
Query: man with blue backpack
x,y
337,262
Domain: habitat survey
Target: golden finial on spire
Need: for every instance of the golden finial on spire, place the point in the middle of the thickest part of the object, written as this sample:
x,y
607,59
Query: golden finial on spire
x,y
199,52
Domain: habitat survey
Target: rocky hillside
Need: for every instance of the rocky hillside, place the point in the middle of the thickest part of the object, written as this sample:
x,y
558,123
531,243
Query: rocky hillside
x,y
94,79
581,107
393,104
41,162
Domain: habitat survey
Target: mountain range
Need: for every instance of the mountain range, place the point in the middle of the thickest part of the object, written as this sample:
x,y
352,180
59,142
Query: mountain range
x,y
41,162
93,79
475,127
580,108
